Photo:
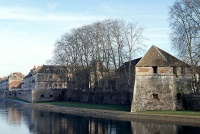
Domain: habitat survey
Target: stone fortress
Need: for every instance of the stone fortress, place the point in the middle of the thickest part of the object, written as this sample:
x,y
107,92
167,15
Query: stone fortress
x,y
157,81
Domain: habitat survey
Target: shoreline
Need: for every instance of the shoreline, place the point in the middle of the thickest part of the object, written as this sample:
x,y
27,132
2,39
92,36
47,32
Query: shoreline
x,y
117,115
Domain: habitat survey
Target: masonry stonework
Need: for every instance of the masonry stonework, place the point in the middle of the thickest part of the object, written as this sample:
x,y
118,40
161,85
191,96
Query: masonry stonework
x,y
153,128
159,80
154,93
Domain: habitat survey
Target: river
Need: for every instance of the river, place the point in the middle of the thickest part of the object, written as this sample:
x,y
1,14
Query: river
x,y
17,119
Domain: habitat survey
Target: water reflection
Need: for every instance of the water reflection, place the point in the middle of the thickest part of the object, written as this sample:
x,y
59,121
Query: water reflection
x,y
62,123
14,118
30,121
153,128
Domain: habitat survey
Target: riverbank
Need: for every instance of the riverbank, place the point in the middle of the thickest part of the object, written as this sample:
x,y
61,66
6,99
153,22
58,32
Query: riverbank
x,y
118,115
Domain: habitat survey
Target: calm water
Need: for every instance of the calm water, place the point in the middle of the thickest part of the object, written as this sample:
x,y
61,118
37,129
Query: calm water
x,y
15,119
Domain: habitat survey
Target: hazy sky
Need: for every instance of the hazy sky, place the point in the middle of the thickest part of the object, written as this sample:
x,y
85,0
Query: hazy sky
x,y
30,28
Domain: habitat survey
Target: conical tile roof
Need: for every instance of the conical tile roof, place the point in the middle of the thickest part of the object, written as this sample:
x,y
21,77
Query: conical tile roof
x,y
157,57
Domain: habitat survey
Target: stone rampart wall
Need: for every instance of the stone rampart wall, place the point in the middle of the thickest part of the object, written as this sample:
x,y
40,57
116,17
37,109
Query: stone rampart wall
x,y
47,95
1,94
103,97
7,94
192,101
154,93
24,95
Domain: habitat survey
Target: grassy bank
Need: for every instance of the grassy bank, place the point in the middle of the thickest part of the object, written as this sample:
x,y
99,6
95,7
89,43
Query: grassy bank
x,y
181,113
17,99
91,106
116,108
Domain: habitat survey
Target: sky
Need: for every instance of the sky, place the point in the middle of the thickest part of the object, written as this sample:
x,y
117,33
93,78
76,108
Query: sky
x,y
30,28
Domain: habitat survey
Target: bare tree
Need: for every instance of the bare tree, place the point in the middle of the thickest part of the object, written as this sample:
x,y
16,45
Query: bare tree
x,y
185,36
98,49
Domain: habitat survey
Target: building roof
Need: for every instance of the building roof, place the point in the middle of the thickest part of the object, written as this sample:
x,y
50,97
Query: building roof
x,y
19,74
32,71
157,57
15,84
126,64
53,69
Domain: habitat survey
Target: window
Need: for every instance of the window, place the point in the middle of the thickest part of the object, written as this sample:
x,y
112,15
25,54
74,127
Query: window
x,y
62,76
51,96
155,69
155,96
178,96
47,70
182,70
174,70
54,70
42,96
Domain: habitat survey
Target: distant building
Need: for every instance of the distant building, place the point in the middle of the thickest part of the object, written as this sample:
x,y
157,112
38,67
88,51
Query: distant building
x,y
45,77
12,82
159,80
4,83
93,77
126,75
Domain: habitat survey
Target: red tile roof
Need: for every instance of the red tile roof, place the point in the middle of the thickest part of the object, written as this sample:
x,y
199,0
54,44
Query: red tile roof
x,y
157,57
15,84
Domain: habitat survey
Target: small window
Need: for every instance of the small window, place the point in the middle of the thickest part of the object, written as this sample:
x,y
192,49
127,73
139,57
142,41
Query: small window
x,y
47,70
62,76
155,96
182,70
51,96
155,69
42,96
60,95
178,96
174,70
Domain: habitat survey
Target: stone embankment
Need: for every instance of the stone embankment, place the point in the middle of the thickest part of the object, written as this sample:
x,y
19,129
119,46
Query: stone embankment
x,y
117,115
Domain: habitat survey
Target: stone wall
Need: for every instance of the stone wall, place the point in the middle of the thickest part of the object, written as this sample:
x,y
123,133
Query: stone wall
x,y
8,94
47,95
103,97
192,101
154,93
1,94
153,128
24,95
157,88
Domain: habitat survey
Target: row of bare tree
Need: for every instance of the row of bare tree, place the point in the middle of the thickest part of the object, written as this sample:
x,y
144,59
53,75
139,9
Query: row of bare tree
x,y
111,42
185,36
